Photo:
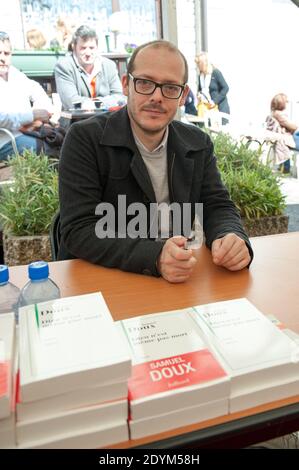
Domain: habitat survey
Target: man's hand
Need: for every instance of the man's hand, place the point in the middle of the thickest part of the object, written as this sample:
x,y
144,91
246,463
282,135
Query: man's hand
x,y
231,252
41,115
175,263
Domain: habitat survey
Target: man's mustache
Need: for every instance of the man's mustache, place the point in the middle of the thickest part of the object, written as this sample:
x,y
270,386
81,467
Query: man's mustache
x,y
154,108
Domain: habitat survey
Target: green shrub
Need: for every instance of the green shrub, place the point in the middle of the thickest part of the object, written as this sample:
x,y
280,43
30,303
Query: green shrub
x,y
252,185
28,205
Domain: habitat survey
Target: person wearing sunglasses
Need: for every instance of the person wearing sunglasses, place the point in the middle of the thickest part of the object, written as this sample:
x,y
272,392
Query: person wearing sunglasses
x,y
23,103
116,168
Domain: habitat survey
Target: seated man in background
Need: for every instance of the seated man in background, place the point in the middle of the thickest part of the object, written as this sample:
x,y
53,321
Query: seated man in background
x,y
23,102
138,157
84,74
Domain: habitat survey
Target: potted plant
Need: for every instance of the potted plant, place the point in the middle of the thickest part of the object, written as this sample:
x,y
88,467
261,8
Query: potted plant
x,y
27,207
253,187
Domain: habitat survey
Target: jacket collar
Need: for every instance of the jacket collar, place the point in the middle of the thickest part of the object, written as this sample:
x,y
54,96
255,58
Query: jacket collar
x,y
118,133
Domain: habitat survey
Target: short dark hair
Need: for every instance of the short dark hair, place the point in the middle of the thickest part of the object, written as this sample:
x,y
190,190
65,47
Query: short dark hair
x,y
158,44
84,32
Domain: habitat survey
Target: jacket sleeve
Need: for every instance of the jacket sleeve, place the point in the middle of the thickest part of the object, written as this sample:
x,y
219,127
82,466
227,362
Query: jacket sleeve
x,y
38,96
113,78
222,87
66,83
33,93
13,121
81,189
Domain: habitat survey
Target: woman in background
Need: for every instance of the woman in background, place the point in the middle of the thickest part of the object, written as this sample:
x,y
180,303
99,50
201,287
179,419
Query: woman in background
x,y
35,38
212,87
64,33
278,121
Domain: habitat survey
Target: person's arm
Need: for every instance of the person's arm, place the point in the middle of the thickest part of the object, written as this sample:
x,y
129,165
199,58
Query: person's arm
x,y
82,186
113,78
111,84
38,96
13,121
66,84
223,87
283,121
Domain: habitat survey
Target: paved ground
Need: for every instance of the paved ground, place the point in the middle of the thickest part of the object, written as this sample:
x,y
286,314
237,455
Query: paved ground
x,y
290,187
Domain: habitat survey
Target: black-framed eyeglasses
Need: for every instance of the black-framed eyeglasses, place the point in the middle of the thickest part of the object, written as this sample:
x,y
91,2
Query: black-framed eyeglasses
x,y
143,86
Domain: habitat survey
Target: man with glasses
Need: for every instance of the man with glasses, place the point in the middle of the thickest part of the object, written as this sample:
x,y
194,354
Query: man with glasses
x,y
23,103
140,156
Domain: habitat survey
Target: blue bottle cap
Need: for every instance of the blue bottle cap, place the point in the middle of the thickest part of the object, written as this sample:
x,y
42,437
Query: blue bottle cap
x,y
4,275
38,270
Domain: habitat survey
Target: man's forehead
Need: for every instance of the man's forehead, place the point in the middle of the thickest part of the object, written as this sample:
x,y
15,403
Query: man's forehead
x,y
148,62
157,50
87,42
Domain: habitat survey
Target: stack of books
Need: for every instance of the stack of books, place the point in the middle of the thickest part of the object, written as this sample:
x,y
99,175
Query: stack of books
x,y
259,355
176,379
8,368
74,370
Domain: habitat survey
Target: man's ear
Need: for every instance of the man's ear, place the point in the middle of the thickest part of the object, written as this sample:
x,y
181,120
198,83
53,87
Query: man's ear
x,y
125,84
184,95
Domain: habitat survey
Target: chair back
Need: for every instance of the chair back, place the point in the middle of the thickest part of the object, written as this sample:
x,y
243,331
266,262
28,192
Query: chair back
x,y
55,236
12,138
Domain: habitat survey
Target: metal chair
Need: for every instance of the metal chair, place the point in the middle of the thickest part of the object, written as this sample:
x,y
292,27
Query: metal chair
x,y
12,138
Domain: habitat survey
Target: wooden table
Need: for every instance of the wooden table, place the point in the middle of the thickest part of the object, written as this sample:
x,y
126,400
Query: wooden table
x,y
271,284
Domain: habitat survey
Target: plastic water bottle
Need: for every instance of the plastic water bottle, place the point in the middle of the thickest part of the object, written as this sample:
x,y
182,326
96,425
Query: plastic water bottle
x,y
9,293
40,287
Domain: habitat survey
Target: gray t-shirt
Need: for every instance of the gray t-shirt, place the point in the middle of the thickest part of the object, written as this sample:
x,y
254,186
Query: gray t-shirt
x,y
156,164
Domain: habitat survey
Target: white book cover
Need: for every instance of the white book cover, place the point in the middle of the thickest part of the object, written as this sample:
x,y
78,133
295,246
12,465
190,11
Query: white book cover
x,y
254,351
7,334
50,406
93,438
183,417
8,432
172,366
72,422
68,343
260,396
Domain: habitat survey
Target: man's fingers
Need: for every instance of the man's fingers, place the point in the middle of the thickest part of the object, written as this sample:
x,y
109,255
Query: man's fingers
x,y
230,252
235,251
241,265
175,263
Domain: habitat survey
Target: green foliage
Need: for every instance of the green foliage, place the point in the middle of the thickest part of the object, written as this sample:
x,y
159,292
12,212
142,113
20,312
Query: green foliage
x,y
252,185
28,205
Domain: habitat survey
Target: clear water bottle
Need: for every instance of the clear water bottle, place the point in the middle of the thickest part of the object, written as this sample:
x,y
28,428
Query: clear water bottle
x,y
40,287
9,293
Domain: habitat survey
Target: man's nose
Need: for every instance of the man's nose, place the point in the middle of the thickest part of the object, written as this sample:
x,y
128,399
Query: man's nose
x,y
157,95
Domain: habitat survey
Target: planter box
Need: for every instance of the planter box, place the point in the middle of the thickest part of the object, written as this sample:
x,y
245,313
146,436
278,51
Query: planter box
x,y
41,64
36,64
24,250
266,225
